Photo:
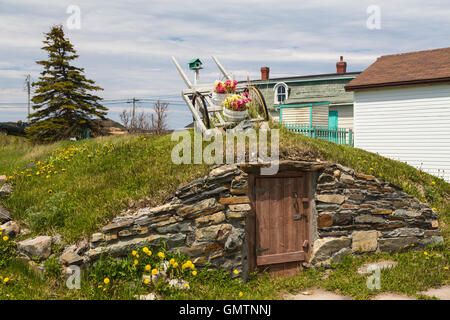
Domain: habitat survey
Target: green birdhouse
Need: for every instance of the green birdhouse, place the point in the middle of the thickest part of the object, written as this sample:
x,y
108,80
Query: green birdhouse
x,y
195,64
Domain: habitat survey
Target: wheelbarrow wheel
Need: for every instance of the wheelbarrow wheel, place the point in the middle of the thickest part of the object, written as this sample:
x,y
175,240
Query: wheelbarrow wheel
x,y
258,106
199,103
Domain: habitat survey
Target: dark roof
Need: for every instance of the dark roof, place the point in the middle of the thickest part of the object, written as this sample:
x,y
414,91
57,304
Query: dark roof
x,y
420,67
307,77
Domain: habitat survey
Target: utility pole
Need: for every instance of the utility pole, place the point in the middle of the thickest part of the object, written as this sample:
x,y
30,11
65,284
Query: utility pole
x,y
28,88
133,101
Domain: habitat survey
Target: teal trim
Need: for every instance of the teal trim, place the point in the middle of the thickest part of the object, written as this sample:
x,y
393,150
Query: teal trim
x,y
310,116
281,115
337,135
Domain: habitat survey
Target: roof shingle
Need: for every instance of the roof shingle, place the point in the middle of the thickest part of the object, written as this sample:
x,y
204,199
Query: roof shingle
x,y
430,66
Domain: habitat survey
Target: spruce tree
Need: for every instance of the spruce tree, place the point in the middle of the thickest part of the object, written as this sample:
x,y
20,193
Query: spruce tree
x,y
63,106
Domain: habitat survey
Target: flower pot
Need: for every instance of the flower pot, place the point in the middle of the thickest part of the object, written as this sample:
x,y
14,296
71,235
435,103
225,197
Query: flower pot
x,y
235,116
218,98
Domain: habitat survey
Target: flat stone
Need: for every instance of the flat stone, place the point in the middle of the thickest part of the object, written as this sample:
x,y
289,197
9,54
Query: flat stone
x,y
70,258
215,218
391,296
39,247
316,294
324,248
368,218
234,240
364,269
5,190
331,198
392,245
365,176
236,215
407,213
346,178
324,220
212,233
164,208
405,232
97,237
5,215
203,207
222,170
10,229
442,293
365,241
234,200
239,207
381,211
119,225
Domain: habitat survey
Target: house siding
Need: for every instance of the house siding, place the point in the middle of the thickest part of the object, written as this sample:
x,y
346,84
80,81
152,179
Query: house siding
x,y
410,124
320,116
345,115
296,115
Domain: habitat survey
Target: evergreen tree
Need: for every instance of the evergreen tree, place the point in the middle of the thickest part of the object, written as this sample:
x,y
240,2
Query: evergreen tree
x,y
62,103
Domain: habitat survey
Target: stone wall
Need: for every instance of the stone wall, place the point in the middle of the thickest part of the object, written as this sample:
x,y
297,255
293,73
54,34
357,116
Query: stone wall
x,y
358,213
204,219
352,213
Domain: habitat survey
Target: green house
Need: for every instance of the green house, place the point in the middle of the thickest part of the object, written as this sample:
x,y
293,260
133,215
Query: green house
x,y
195,64
315,100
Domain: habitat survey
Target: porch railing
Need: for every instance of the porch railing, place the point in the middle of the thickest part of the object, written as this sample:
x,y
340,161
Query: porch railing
x,y
337,135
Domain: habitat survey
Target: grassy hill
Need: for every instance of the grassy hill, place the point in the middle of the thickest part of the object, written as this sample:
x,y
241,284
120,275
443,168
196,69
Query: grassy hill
x,y
75,187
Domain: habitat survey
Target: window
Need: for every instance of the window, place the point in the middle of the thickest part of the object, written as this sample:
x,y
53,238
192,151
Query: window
x,y
281,92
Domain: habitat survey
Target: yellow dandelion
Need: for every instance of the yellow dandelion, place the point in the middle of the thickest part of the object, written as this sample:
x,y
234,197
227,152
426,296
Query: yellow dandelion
x,y
136,261
445,268
241,293
134,252
161,255
149,253
100,286
172,261
425,253
5,238
235,271
194,273
155,271
106,280
5,280
147,267
145,249
137,255
432,182
186,285
146,280
175,264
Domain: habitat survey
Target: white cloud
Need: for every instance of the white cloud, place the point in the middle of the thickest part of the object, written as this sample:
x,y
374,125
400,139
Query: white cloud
x,y
126,45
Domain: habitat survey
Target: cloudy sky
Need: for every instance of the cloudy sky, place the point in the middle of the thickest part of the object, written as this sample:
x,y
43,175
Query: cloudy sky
x,y
125,46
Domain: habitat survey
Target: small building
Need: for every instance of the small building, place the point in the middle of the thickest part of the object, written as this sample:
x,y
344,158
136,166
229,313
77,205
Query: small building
x,y
319,100
402,109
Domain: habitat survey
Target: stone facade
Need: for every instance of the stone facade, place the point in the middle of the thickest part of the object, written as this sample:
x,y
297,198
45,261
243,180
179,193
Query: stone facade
x,y
352,213
368,215
204,220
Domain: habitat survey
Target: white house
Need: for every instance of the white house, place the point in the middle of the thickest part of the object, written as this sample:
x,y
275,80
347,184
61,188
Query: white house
x,y
402,109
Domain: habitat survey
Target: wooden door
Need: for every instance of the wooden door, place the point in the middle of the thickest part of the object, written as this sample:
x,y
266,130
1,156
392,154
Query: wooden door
x,y
282,223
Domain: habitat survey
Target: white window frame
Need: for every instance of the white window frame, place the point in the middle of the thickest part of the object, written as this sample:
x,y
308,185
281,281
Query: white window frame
x,y
275,91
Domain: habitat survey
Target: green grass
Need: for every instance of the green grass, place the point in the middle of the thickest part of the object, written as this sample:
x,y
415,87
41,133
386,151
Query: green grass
x,y
94,180
102,176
